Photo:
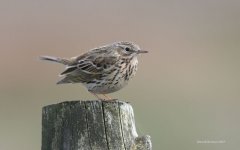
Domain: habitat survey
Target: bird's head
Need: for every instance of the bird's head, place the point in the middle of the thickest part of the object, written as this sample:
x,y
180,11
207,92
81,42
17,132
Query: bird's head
x,y
128,49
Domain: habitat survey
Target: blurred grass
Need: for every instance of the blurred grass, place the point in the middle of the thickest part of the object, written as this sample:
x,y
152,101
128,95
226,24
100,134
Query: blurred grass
x,y
186,88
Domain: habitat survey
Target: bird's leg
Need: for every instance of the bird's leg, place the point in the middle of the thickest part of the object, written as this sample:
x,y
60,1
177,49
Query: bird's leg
x,y
96,96
108,98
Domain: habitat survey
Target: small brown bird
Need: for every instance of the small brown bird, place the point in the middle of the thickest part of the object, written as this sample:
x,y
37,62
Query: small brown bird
x,y
102,70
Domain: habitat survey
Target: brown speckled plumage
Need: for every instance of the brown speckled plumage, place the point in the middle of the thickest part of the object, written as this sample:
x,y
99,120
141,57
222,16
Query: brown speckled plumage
x,y
102,70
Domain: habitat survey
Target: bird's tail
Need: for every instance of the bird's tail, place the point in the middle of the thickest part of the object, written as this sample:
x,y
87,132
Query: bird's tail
x,y
56,59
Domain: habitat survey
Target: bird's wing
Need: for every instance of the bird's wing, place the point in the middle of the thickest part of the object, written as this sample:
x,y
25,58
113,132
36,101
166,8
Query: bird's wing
x,y
88,67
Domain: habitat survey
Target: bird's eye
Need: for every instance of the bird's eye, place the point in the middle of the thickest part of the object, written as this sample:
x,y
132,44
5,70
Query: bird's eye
x,y
127,49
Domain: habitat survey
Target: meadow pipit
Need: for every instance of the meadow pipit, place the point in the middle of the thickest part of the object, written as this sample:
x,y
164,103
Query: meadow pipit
x,y
101,70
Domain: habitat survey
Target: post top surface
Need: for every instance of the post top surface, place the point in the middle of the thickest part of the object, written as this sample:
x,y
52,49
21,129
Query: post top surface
x,y
73,102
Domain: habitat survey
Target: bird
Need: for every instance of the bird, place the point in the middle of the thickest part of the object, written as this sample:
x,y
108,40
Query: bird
x,y
102,70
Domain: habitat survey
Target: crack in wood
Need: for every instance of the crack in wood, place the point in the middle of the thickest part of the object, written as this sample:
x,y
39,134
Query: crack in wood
x,y
105,128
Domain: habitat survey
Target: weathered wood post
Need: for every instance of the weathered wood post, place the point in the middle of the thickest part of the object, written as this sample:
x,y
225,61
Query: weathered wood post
x,y
91,125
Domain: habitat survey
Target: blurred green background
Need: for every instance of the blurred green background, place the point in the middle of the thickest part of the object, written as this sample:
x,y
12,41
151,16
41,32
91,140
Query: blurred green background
x,y
187,88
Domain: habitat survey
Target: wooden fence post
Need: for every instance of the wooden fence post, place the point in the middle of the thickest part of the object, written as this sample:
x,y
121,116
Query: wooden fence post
x,y
91,125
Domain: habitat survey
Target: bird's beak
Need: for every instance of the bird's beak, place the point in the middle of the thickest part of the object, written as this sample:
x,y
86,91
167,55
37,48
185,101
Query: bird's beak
x,y
142,51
